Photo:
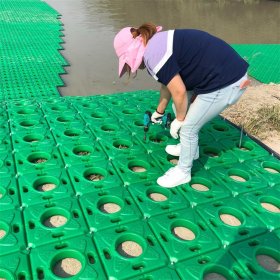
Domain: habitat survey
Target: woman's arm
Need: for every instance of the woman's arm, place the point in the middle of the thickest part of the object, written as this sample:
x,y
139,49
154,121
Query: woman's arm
x,y
178,90
164,99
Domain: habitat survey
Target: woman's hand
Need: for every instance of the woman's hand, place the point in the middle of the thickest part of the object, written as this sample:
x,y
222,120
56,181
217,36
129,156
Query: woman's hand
x,y
175,127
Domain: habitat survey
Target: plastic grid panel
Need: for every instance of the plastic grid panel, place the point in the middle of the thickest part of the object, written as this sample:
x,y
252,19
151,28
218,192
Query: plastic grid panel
x,y
246,254
177,249
245,225
123,210
40,230
118,266
44,259
41,187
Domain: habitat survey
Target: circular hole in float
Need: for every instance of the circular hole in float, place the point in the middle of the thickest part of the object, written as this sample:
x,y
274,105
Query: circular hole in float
x,y
110,204
109,128
95,174
83,150
122,144
158,138
138,166
5,274
58,108
138,123
211,152
200,184
72,132
231,217
217,273
98,115
33,138
271,167
28,123
130,245
238,175
64,119
55,217
172,159
184,230
271,204
269,259
25,111
4,229
220,127
67,264
37,158
246,147
129,112
45,184
157,194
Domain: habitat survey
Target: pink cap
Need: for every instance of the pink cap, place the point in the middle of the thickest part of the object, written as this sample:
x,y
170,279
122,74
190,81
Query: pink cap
x,y
129,50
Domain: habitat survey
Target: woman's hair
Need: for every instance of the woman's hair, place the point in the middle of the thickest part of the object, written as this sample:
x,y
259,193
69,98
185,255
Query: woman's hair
x,y
146,30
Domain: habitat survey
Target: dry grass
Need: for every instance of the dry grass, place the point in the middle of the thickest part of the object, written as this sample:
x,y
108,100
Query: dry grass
x,y
258,112
265,119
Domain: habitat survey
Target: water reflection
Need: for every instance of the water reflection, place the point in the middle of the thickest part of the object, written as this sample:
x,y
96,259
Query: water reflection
x,y
90,26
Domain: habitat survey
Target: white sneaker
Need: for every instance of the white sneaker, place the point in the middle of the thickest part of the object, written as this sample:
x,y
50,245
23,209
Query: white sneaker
x,y
174,150
173,178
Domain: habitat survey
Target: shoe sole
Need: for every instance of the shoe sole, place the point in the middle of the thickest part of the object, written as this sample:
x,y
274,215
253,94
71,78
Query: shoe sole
x,y
173,186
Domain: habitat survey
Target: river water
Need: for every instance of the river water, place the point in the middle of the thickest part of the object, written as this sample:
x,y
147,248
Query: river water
x,y
90,26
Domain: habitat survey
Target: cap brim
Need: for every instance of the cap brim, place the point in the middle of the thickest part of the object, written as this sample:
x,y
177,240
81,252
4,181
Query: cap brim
x,y
122,68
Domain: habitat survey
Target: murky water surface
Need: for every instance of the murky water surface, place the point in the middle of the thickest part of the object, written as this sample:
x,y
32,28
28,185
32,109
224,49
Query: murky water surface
x,y
90,26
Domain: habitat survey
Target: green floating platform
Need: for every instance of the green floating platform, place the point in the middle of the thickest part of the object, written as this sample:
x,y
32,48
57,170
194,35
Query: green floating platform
x,y
76,159
264,61
78,180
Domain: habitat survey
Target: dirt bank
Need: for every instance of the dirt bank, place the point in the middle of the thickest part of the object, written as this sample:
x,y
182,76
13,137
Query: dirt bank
x,y
258,111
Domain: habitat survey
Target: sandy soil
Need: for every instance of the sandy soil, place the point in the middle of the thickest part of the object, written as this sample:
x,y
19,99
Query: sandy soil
x,y
257,96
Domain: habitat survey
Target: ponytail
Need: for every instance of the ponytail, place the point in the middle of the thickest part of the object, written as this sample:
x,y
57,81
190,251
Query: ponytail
x,y
146,30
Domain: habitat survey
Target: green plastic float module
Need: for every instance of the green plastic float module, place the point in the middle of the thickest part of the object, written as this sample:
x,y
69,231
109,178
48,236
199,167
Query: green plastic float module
x,y
74,134
12,232
95,176
45,259
15,266
231,220
249,253
212,154
266,167
53,221
153,200
166,161
216,265
239,178
84,152
136,168
203,188
109,128
266,204
243,148
157,138
34,139
121,144
183,234
27,124
34,159
9,196
218,129
117,263
108,208
40,187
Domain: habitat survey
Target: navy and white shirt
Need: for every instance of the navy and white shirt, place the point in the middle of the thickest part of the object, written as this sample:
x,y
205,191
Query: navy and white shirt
x,y
204,62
